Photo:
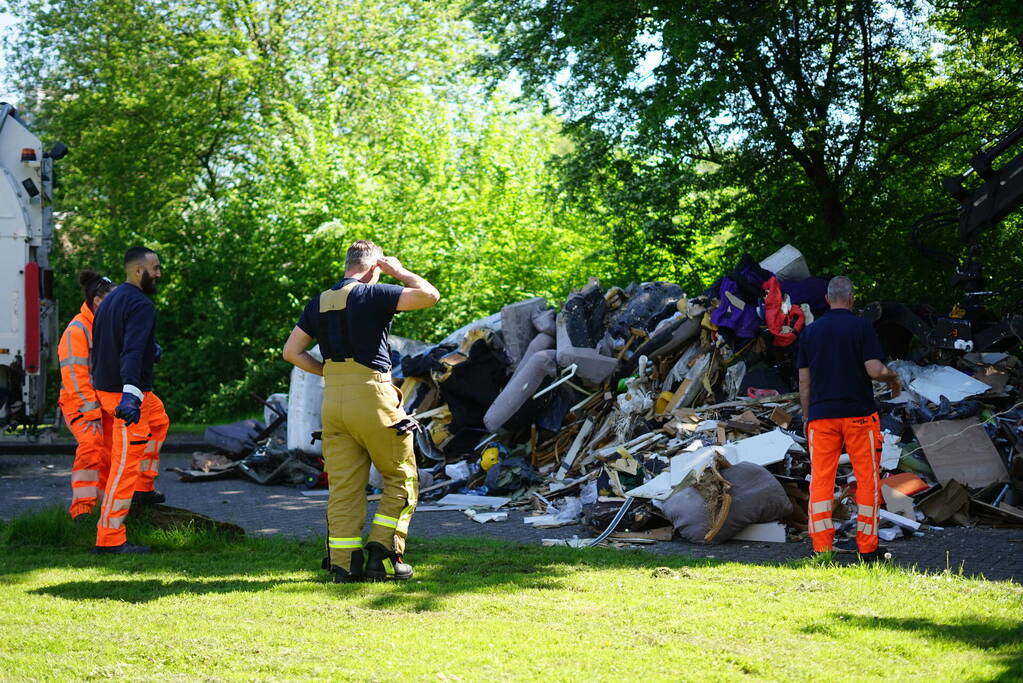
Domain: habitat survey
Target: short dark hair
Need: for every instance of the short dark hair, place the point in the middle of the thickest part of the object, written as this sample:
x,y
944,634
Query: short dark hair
x,y
93,284
137,254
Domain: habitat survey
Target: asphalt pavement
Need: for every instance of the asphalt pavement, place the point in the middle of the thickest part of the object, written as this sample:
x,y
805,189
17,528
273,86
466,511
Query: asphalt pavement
x,y
38,480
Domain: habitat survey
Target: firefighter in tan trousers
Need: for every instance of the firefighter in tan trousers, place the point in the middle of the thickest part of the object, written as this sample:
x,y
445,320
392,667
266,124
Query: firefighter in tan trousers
x,y
363,421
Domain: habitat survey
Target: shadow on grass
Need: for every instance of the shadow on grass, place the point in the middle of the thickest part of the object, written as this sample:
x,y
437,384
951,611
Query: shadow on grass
x,y
193,561
1002,638
197,561
138,591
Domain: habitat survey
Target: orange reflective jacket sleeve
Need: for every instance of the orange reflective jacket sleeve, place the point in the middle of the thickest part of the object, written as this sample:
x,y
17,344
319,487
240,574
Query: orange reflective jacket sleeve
x,y
77,392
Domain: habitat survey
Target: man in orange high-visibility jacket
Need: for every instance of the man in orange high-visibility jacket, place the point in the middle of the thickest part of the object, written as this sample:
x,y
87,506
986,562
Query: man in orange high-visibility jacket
x,y
78,400
123,354
839,355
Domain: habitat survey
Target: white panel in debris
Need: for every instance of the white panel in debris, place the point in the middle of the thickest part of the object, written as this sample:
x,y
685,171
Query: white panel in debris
x,y
658,488
936,381
787,263
769,532
762,449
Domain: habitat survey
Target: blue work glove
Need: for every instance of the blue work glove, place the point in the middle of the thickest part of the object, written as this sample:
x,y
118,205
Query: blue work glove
x,y
157,352
129,409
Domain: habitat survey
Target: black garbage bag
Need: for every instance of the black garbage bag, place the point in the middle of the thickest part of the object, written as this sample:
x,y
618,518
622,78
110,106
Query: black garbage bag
x,y
640,516
509,475
648,304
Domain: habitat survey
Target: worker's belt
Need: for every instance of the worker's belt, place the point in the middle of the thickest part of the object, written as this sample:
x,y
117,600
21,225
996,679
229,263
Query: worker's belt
x,y
352,371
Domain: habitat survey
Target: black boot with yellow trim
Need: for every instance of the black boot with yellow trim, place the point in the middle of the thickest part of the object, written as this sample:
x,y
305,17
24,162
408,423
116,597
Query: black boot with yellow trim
x,y
384,564
354,575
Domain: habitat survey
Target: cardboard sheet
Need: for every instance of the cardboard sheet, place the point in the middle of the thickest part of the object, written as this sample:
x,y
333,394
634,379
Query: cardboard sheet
x,y
961,450
898,502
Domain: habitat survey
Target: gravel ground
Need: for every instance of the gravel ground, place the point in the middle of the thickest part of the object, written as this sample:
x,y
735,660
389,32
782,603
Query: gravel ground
x,y
29,482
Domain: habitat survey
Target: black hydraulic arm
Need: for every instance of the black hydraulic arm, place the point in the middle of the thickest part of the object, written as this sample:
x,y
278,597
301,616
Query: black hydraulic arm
x,y
1000,192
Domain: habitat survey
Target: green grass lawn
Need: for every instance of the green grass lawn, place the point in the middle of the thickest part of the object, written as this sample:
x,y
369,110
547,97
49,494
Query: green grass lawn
x,y
207,607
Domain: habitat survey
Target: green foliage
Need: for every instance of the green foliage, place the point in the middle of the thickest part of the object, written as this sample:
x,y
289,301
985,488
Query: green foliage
x,y
705,129
250,143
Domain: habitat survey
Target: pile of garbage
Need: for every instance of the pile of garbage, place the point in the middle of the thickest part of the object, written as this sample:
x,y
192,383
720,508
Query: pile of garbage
x,y
648,414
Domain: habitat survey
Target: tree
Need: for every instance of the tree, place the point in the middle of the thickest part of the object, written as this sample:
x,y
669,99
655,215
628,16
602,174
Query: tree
x,y
249,143
759,122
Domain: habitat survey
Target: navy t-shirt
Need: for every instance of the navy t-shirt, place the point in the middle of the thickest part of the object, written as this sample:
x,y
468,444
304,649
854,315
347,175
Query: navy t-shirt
x,y
835,347
361,328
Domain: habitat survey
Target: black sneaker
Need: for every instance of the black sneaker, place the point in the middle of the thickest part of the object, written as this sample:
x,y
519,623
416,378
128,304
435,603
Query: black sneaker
x,y
848,546
354,575
147,498
879,555
386,565
123,549
845,546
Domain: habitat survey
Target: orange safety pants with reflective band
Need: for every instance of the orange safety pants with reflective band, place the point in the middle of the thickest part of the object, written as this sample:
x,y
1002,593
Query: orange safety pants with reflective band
x,y
149,465
861,437
89,464
127,448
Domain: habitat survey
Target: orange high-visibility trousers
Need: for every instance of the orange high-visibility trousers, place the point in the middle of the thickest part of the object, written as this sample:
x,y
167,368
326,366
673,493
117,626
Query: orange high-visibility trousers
x,y
861,437
80,405
127,448
149,465
90,455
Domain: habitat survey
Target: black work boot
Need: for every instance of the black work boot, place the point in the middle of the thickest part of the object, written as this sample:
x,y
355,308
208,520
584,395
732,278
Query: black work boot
x,y
873,557
845,546
123,549
354,575
384,564
153,497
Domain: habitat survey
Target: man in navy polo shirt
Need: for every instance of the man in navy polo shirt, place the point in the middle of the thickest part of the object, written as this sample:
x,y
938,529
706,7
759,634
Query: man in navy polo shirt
x,y
362,411
839,355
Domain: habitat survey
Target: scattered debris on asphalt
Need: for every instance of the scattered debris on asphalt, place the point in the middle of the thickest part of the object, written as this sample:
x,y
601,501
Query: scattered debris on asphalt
x,y
647,414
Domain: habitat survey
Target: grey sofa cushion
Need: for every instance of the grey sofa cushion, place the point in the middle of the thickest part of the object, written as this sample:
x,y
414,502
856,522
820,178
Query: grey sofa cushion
x,y
532,371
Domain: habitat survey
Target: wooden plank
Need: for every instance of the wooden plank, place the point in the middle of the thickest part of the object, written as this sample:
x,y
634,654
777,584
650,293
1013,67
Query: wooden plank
x,y
664,533
781,417
625,349
743,426
781,398
573,451
748,417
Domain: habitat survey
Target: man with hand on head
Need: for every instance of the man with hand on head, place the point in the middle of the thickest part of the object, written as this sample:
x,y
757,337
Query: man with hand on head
x,y
839,354
363,420
123,352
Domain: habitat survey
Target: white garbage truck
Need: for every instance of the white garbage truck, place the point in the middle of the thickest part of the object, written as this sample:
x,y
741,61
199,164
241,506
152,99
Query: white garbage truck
x,y
28,312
